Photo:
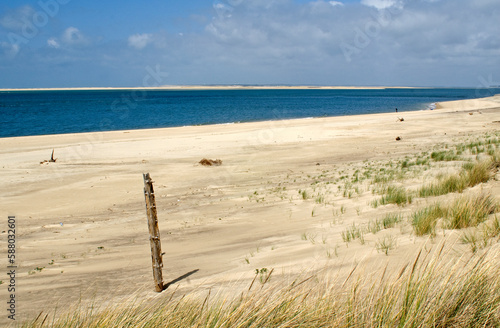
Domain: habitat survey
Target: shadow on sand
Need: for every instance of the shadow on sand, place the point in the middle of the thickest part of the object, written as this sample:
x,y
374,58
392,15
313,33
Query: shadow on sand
x,y
184,276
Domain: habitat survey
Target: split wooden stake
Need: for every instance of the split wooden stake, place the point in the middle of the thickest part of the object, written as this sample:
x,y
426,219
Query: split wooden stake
x,y
154,232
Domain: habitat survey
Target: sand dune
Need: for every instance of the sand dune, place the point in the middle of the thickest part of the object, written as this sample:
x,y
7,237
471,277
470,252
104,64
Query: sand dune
x,y
82,220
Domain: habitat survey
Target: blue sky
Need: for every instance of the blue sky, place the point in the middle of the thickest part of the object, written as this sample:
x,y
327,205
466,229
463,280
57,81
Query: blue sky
x,y
70,43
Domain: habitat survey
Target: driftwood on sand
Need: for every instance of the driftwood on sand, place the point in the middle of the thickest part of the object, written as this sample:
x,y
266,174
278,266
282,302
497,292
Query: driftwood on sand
x,y
210,162
51,160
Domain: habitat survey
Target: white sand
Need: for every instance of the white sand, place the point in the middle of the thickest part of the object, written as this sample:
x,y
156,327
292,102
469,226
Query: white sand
x,y
222,221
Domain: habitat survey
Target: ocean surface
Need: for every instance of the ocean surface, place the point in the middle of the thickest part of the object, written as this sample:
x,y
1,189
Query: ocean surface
x,y
27,113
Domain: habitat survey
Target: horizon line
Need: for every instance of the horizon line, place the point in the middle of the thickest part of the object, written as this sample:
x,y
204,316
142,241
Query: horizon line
x,y
234,87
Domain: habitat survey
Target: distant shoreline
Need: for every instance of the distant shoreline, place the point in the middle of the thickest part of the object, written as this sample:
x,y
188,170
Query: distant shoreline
x,y
442,107
218,87
183,110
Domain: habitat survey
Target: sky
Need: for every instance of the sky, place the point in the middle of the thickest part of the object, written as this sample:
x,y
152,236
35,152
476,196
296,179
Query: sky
x,y
71,43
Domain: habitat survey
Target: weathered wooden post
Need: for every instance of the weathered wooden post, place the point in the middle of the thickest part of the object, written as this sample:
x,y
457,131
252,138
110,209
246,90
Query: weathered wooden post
x,y
154,232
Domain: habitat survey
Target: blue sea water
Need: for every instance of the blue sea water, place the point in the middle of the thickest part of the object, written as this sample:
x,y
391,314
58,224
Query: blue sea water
x,y
26,113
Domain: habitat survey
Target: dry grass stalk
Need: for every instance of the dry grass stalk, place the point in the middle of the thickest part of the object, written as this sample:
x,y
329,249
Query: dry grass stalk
x,y
431,291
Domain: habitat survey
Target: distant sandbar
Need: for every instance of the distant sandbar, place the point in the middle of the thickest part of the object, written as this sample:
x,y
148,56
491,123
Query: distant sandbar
x,y
220,87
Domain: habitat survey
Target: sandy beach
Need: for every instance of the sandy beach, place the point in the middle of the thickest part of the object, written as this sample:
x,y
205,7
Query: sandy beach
x,y
82,232
221,87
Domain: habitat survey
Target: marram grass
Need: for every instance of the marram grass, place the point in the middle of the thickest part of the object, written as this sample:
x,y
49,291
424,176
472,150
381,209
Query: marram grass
x,y
469,176
465,211
394,195
470,211
424,220
429,291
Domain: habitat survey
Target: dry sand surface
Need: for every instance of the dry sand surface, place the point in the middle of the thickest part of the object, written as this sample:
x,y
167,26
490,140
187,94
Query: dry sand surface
x,y
82,219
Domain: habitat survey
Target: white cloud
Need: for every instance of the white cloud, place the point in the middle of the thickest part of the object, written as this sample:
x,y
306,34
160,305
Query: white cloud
x,y
335,3
380,4
52,42
73,36
139,41
70,37
291,41
223,10
310,36
17,19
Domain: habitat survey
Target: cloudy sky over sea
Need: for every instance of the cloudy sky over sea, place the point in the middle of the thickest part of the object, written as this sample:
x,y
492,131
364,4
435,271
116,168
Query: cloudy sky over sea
x,y
71,43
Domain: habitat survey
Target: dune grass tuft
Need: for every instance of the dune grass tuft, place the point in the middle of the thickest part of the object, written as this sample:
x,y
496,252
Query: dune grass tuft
x,y
464,212
479,173
444,155
470,176
424,221
452,183
352,233
469,211
394,195
388,221
427,292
